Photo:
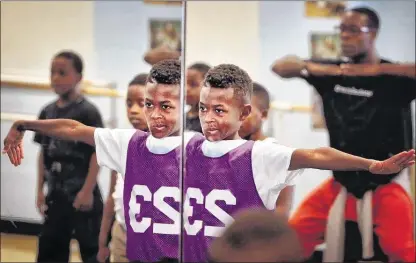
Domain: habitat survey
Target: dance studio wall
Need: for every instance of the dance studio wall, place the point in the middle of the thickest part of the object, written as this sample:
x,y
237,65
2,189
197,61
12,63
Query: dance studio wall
x,y
122,37
111,37
284,30
224,32
31,32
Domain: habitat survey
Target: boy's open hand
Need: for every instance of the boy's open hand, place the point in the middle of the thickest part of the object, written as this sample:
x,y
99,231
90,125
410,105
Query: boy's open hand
x,y
394,164
13,145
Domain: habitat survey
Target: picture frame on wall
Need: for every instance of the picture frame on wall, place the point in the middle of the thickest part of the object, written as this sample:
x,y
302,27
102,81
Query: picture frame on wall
x,y
325,46
324,9
171,2
165,33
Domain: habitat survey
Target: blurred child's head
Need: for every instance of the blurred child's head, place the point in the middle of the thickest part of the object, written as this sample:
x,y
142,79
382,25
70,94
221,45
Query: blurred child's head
x,y
260,105
224,102
194,77
257,236
66,72
162,98
135,102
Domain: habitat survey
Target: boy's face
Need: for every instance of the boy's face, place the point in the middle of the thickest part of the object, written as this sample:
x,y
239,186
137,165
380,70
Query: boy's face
x,y
194,80
162,109
63,76
135,107
221,113
254,121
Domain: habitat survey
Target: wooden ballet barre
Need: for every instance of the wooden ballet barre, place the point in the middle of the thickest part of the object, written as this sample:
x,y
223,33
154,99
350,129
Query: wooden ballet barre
x,y
12,117
279,106
7,116
87,88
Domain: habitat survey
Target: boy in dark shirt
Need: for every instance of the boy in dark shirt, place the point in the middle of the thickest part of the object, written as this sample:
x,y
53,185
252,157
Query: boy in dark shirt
x,y
73,204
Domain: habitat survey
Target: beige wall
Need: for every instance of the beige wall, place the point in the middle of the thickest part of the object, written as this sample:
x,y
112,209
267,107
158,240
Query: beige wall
x,y
31,32
224,32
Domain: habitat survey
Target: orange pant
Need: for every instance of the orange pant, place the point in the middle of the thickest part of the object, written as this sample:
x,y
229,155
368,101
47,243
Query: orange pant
x,y
392,215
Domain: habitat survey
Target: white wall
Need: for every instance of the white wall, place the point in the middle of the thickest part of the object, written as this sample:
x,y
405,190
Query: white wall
x,y
224,32
31,32
121,37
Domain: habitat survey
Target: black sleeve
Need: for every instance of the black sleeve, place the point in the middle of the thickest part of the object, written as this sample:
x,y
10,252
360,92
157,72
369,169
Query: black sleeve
x,y
93,117
39,138
320,83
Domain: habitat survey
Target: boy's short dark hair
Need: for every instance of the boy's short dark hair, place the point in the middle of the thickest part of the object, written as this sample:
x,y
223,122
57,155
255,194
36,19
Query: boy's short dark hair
x,y
200,67
139,79
230,76
262,95
166,72
75,59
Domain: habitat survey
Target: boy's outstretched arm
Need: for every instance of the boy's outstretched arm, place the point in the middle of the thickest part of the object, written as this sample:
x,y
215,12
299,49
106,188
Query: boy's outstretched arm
x,y
64,129
331,159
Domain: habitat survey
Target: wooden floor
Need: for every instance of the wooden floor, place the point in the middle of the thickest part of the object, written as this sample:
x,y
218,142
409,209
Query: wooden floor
x,y
19,248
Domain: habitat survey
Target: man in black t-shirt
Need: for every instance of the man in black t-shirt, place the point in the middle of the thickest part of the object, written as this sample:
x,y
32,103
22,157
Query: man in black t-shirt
x,y
73,205
366,103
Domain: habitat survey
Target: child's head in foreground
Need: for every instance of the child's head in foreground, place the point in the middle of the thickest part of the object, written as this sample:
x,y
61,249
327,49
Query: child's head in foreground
x,y
224,102
257,236
135,102
162,98
260,105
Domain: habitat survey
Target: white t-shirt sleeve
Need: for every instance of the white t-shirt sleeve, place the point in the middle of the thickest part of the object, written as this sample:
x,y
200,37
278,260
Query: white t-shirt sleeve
x,y
271,162
111,147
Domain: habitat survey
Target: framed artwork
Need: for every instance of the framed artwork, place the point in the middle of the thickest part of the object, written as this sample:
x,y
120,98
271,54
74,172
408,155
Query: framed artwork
x,y
171,2
325,46
324,9
165,33
318,118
